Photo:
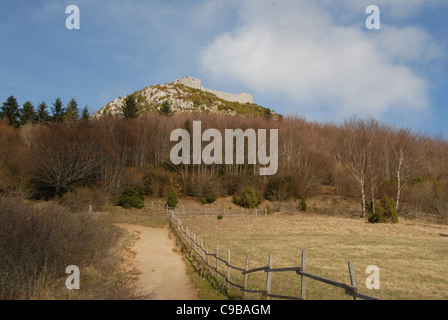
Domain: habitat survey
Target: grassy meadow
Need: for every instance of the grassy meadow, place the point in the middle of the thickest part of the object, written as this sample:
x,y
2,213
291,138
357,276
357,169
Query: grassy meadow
x,y
412,255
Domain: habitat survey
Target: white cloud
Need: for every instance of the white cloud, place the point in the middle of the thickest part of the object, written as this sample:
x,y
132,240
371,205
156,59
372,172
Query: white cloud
x,y
301,51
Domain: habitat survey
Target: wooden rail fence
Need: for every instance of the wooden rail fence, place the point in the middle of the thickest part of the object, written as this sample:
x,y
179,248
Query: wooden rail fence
x,y
190,212
191,243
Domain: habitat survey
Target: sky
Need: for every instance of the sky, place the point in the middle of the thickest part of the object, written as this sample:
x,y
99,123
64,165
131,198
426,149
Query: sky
x,y
313,59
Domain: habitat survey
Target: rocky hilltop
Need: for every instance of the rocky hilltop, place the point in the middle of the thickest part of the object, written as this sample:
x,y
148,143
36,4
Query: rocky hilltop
x,y
185,98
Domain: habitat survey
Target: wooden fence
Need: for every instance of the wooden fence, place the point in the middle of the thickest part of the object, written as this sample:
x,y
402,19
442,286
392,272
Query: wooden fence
x,y
194,246
205,212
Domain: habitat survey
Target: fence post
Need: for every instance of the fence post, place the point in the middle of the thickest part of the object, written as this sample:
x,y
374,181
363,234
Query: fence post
x,y
206,252
202,248
351,270
268,279
246,275
228,269
302,278
194,242
217,264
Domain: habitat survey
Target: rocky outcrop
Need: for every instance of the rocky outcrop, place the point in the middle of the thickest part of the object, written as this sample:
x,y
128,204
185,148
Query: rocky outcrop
x,y
186,99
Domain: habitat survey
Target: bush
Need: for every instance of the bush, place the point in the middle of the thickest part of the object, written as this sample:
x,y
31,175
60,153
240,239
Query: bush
x,y
131,198
303,206
385,211
249,198
159,181
209,195
81,198
37,243
173,199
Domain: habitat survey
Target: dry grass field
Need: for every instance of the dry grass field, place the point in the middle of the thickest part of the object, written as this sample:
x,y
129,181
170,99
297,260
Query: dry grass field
x,y
412,255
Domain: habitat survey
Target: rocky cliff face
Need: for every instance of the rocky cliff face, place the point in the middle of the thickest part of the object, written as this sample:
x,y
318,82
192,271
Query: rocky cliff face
x,y
184,99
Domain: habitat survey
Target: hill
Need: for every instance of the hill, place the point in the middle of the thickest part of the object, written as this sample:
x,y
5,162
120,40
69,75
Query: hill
x,y
183,98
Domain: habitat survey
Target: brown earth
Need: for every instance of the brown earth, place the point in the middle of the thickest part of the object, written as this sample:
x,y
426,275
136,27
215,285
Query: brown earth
x,y
161,269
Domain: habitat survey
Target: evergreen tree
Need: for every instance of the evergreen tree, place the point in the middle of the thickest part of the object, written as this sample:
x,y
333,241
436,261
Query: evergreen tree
x,y
58,110
72,111
130,109
173,199
42,114
131,198
385,211
267,113
165,109
85,113
249,198
27,114
10,110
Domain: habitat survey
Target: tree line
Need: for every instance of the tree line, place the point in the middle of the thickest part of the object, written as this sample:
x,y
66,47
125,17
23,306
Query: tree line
x,y
17,115
361,159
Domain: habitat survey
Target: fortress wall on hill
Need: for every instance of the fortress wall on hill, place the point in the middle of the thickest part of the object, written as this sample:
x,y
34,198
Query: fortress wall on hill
x,y
241,97
196,84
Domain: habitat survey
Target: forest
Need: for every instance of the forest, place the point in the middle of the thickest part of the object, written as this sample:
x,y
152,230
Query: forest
x,y
66,155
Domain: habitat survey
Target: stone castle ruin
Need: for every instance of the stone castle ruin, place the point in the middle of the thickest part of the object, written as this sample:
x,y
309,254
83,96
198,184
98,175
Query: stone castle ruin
x,y
196,84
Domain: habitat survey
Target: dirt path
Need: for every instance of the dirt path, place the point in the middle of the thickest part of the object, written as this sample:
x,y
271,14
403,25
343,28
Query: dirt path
x,y
162,270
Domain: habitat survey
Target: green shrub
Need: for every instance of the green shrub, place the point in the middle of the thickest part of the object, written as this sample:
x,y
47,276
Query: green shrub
x,y
303,206
172,198
208,195
131,198
385,211
249,198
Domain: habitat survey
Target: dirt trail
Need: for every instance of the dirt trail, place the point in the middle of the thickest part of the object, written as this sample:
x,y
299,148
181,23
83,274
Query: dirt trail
x,y
162,270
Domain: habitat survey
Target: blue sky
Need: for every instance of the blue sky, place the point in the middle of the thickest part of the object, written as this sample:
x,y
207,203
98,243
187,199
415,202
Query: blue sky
x,y
314,59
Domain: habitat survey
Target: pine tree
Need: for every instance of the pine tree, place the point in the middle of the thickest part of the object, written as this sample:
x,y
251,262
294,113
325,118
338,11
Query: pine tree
x,y
173,199
58,110
130,109
165,109
27,114
72,111
10,110
85,113
131,198
42,114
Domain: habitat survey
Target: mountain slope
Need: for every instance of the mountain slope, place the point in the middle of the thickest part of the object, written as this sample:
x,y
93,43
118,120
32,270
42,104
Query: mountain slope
x,y
184,99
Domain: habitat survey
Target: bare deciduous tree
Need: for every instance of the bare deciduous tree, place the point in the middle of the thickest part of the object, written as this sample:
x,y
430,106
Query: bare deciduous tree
x,y
66,154
354,148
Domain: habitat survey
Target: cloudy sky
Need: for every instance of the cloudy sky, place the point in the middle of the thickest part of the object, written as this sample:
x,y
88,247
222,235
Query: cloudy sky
x,y
314,59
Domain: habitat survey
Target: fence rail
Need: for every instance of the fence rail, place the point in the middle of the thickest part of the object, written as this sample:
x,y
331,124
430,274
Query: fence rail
x,y
194,246
182,212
